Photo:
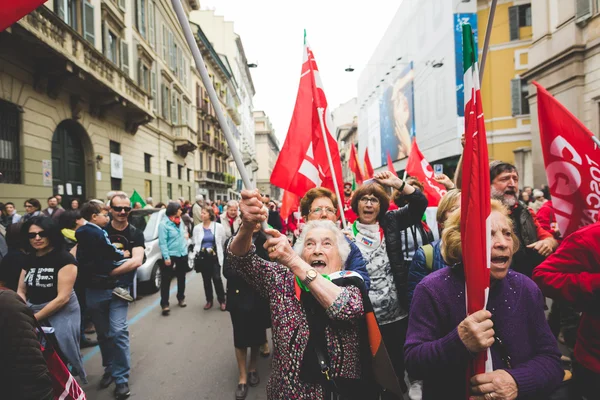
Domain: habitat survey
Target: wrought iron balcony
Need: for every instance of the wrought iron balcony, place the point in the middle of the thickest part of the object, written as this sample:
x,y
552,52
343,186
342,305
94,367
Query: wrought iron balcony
x,y
210,177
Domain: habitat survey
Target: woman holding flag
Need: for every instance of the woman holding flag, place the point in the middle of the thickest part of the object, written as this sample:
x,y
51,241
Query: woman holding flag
x,y
377,233
441,342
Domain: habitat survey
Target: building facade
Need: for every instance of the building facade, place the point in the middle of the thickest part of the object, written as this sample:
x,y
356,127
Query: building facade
x,y
345,120
96,95
267,146
503,91
565,59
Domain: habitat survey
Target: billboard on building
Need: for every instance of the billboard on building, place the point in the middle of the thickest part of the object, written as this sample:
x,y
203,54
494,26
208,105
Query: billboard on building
x,y
397,116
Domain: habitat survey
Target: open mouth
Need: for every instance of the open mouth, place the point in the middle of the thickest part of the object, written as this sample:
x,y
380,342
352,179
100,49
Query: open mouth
x,y
318,264
500,259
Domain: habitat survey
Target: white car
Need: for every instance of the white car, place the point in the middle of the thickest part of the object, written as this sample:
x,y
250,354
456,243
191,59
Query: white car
x,y
148,275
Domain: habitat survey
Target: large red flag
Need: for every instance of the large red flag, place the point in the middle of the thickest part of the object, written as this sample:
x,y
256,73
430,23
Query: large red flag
x,y
390,164
572,164
418,167
369,172
289,204
475,205
354,165
13,10
308,153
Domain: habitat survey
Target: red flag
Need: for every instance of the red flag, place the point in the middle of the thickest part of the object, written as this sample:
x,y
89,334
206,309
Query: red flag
x,y
391,164
289,204
13,10
418,167
368,167
354,165
306,157
572,164
475,204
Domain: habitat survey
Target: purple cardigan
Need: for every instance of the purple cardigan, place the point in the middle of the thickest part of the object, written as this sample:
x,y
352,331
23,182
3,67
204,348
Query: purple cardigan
x,y
435,353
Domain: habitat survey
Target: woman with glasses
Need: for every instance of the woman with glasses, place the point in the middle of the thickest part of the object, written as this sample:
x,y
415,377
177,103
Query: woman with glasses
x,y
377,235
318,203
33,208
46,283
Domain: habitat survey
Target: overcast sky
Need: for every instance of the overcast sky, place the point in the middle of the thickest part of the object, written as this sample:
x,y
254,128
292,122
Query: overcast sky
x,y
341,33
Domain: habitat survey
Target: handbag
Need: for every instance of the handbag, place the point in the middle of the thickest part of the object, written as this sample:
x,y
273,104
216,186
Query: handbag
x,y
206,257
64,385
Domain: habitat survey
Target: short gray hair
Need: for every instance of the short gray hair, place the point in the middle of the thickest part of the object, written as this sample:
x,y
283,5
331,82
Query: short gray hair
x,y
149,200
233,203
342,244
199,198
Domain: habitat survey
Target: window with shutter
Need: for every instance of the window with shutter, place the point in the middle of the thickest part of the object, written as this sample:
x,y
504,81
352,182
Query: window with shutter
x,y
173,108
513,19
198,96
184,114
122,4
583,10
524,98
176,53
125,57
141,17
154,94
170,60
151,23
515,91
164,42
88,22
165,101
62,9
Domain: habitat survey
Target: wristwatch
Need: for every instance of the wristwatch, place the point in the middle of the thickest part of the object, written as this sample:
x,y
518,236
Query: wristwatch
x,y
311,275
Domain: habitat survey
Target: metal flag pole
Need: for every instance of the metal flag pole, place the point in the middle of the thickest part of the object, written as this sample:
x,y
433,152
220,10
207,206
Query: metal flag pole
x,y
486,43
212,94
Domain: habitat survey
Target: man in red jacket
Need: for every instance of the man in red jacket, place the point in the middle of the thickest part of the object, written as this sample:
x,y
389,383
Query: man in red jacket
x,y
572,273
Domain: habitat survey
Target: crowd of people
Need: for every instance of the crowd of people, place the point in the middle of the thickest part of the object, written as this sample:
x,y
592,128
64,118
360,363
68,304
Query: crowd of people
x,y
374,309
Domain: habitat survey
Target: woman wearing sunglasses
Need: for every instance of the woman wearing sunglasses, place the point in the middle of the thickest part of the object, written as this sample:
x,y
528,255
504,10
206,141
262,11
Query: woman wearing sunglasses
x,y
377,235
46,283
33,208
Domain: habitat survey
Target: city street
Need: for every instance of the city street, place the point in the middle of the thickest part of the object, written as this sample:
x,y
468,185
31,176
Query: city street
x,y
187,355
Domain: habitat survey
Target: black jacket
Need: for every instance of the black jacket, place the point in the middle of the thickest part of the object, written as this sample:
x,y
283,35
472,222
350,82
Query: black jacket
x,y
393,224
24,374
96,256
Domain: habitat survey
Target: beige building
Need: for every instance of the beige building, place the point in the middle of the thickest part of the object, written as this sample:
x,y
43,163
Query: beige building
x,y
345,120
565,59
97,95
267,146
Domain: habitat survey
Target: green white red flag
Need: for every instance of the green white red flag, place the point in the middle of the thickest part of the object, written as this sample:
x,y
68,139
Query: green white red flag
x,y
475,200
310,157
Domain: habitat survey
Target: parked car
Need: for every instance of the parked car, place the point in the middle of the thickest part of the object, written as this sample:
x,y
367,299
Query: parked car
x,y
148,275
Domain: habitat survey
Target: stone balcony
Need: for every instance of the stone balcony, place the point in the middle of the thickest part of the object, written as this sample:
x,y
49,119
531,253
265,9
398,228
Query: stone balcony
x,y
70,59
185,139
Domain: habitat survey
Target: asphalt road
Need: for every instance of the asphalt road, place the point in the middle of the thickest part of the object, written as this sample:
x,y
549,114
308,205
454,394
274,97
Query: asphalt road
x,y
187,355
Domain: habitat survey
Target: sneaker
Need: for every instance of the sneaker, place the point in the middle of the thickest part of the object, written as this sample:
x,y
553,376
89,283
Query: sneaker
x,y
166,310
182,303
106,380
85,342
122,391
122,293
241,392
253,379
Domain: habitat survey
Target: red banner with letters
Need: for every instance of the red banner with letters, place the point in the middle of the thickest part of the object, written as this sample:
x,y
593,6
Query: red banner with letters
x,y
572,163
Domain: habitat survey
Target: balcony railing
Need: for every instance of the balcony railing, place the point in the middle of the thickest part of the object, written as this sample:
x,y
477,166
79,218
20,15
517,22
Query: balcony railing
x,y
211,177
55,33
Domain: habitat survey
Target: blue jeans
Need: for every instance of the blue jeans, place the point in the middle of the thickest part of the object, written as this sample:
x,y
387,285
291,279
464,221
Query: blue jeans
x,y
109,315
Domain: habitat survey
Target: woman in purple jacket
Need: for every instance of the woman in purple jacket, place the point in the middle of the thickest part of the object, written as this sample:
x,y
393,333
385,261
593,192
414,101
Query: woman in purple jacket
x,y
441,341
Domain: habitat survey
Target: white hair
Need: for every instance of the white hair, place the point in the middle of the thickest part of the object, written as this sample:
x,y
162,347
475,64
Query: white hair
x,y
232,203
342,244
149,200
199,198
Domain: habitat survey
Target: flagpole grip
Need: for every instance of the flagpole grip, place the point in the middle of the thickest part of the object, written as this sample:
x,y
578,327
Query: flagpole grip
x,y
212,94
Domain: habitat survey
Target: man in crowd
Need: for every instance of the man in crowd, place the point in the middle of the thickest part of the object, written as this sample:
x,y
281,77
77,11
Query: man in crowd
x,y
53,211
572,274
197,209
149,203
108,312
11,216
230,219
535,242
59,200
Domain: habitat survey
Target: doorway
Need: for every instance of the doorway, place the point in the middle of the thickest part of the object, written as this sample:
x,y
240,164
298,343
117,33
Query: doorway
x,y
68,163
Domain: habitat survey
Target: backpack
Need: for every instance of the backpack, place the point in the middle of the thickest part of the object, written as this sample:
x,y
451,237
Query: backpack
x,y
428,250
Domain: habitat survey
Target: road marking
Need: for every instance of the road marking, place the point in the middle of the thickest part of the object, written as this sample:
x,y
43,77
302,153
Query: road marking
x,y
137,317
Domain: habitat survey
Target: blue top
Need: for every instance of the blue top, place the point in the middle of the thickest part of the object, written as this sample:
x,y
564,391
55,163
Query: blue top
x,y
208,241
418,267
171,239
434,352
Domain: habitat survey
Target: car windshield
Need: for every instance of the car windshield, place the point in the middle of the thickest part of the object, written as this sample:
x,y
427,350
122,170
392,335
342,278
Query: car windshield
x,y
151,231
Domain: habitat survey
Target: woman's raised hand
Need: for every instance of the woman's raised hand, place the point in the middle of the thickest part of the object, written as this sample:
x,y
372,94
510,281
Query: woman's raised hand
x,y
279,248
252,208
386,178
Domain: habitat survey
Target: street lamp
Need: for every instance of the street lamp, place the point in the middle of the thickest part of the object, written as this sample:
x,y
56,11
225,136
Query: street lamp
x,y
349,69
252,65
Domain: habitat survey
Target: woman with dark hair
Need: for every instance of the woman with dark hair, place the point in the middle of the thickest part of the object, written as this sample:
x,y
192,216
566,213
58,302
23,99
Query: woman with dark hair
x,y
33,208
209,238
377,233
13,261
161,205
75,204
172,242
47,282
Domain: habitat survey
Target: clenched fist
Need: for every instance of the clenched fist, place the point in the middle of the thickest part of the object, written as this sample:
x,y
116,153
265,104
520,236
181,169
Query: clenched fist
x,y
476,331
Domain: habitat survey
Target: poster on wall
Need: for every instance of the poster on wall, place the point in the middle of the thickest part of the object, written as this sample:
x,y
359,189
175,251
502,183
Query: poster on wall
x,y
47,172
116,166
397,116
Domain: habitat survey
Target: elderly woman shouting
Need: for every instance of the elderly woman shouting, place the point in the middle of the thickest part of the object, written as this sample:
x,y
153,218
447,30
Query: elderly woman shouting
x,y
318,316
441,341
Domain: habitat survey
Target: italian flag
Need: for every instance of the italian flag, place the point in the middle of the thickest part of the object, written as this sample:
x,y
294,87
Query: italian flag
x,y
475,200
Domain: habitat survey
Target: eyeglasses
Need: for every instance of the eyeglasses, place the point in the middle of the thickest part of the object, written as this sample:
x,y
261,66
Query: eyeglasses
x,y
372,200
326,210
33,235
119,209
